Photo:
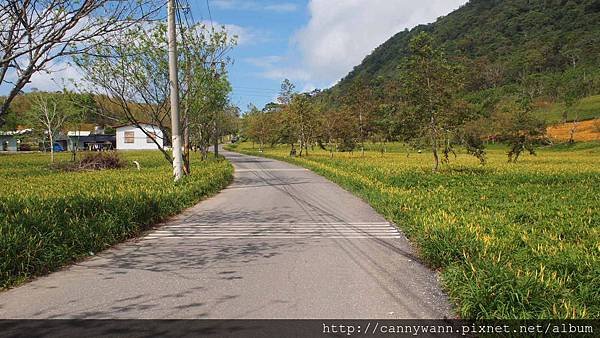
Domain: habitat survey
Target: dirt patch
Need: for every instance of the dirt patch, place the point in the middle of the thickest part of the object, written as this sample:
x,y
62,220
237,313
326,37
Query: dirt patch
x,y
585,131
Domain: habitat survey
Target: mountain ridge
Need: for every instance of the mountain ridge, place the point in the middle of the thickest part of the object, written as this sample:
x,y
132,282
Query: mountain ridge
x,y
536,35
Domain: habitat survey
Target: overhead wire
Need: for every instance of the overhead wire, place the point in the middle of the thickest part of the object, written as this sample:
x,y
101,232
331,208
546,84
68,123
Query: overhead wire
x,y
209,14
188,19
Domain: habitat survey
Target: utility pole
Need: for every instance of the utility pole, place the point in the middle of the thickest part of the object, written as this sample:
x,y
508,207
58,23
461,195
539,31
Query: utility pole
x,y
216,129
176,135
215,115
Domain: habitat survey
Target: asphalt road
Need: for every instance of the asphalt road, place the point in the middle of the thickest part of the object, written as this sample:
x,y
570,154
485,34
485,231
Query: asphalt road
x,y
280,242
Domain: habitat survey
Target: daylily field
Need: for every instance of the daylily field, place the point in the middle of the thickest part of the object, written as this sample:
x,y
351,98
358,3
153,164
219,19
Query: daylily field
x,y
49,218
510,240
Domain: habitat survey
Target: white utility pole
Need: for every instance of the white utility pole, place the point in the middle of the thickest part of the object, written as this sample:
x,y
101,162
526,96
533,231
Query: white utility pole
x,y
176,139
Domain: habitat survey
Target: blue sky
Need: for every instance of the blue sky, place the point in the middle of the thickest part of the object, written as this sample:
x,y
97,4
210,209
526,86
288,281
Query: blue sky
x,y
264,29
314,43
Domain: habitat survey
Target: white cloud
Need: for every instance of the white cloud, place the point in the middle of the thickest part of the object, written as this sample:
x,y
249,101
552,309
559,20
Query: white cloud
x,y
265,61
245,35
246,5
59,75
292,73
282,7
341,33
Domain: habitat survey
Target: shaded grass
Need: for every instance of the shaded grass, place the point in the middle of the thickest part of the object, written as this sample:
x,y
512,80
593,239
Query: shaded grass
x,y
512,240
49,218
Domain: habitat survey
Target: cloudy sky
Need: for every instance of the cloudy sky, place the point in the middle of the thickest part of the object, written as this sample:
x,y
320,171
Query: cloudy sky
x,y
314,43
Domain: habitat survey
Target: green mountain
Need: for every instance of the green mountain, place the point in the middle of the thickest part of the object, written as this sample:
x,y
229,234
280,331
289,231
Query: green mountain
x,y
501,41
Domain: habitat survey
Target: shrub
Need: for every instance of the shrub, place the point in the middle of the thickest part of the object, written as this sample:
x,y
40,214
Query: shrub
x,y
101,160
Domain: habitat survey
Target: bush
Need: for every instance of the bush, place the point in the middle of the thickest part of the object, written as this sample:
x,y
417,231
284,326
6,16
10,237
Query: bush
x,y
24,147
93,161
101,160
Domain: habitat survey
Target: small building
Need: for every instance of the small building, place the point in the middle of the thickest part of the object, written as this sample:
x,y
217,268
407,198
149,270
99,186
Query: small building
x,y
91,142
132,137
76,139
10,140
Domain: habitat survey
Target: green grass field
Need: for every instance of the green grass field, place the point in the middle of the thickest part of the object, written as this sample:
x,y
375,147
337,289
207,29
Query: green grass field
x,y
511,240
50,218
588,108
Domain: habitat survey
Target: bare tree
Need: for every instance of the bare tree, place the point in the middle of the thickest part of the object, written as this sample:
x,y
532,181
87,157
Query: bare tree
x,y
50,111
36,33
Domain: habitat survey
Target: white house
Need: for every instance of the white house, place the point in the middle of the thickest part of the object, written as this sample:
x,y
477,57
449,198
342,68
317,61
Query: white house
x,y
9,140
130,137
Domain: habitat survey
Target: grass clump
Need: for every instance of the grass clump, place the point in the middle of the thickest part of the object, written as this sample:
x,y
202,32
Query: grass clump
x,y
49,218
517,240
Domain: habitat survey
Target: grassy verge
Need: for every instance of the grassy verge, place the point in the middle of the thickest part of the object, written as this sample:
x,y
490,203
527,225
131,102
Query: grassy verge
x,y
50,218
512,240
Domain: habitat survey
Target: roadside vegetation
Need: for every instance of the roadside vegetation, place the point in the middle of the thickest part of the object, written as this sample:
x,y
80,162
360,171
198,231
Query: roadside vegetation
x,y
512,240
49,217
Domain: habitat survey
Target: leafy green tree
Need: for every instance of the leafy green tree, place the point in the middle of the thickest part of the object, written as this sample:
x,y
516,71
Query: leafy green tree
x,y
430,84
132,75
338,128
575,84
515,123
303,120
286,130
288,89
256,126
360,102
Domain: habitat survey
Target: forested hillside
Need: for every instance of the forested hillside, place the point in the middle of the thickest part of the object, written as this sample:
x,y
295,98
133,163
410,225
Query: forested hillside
x,y
502,40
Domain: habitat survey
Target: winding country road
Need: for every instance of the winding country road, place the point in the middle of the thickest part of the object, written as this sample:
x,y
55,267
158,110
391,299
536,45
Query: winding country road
x,y
280,242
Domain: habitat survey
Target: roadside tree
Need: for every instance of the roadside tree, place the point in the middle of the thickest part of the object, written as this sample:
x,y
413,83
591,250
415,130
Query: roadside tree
x,y
430,85
36,36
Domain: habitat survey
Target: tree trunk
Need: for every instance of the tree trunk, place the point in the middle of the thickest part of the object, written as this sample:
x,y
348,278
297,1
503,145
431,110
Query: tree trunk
x,y
186,145
216,140
330,148
306,147
572,132
51,146
362,138
436,158
434,146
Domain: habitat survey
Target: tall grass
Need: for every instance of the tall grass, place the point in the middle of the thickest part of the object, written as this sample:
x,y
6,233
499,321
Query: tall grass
x,y
512,240
50,218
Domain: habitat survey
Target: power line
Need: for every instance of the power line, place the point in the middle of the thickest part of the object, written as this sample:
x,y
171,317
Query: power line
x,y
209,14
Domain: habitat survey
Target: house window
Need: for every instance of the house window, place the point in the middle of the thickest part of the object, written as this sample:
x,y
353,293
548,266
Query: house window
x,y
150,137
129,137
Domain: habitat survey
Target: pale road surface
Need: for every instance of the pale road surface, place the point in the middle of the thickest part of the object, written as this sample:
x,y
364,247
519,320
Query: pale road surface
x,y
280,242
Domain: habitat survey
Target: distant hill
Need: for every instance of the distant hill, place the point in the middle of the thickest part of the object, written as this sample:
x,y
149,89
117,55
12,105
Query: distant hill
x,y
513,37
507,47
